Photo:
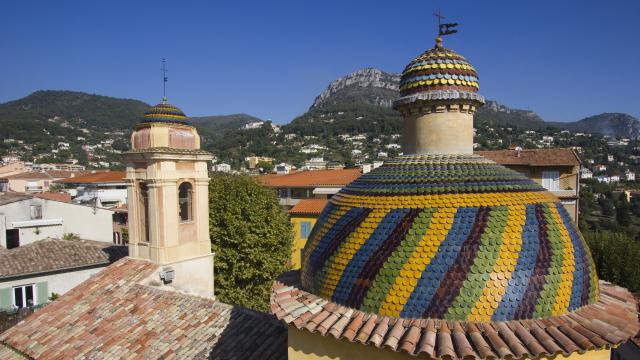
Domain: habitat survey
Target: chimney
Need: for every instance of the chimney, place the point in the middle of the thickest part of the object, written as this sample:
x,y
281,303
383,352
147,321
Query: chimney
x,y
518,151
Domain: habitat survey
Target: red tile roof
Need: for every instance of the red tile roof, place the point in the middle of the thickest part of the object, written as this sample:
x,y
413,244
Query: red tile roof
x,y
8,354
61,174
533,157
55,255
29,175
98,177
309,207
311,178
111,315
62,197
605,324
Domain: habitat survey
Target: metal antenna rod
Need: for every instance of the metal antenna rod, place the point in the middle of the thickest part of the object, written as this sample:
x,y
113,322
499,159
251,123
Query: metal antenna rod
x,y
164,79
440,17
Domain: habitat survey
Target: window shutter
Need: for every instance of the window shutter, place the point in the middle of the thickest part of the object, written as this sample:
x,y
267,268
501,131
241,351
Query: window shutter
x,y
5,299
42,293
551,180
305,229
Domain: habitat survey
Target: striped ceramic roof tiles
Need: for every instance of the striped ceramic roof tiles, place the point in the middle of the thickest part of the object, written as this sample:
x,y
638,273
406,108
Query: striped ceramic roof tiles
x,y
455,237
113,316
164,112
438,69
605,324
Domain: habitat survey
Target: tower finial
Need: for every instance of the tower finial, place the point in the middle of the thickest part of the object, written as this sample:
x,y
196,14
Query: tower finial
x,y
443,29
164,80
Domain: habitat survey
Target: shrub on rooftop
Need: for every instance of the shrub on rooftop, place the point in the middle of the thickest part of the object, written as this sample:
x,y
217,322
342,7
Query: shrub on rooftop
x,y
251,237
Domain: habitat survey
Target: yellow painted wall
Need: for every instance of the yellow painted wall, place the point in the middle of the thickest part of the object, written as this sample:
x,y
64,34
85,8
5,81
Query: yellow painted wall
x,y
568,174
304,345
298,241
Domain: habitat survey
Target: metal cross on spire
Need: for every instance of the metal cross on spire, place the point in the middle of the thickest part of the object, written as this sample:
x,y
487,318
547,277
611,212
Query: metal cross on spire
x,y
164,80
443,28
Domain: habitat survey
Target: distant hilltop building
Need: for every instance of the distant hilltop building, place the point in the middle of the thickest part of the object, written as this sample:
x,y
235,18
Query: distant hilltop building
x,y
443,254
222,167
252,125
252,161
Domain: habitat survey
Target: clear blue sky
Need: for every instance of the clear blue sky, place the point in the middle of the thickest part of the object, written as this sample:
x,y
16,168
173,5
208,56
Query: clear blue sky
x,y
563,59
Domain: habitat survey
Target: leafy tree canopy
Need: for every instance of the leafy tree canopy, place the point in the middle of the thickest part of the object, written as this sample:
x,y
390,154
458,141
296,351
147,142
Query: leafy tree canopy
x,y
251,237
265,166
616,256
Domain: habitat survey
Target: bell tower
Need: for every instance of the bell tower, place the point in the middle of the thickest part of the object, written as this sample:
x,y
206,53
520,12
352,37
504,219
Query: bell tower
x,y
168,199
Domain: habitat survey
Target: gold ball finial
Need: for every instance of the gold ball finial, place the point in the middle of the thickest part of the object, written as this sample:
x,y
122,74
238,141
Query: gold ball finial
x,y
439,42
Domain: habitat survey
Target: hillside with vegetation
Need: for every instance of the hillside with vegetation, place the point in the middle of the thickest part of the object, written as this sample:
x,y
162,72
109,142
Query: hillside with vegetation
x,y
58,126
349,123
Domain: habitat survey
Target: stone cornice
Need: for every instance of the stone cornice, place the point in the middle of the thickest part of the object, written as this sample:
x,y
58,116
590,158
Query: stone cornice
x,y
439,97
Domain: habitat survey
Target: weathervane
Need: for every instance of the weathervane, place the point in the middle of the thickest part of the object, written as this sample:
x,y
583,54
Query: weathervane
x,y
444,29
164,80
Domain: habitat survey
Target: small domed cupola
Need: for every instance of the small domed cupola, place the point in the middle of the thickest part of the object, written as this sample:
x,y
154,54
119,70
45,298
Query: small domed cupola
x,y
164,126
438,97
164,112
438,69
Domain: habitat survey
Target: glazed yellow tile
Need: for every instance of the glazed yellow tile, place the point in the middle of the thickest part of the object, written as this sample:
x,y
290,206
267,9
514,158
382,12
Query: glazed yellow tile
x,y
417,254
567,259
361,234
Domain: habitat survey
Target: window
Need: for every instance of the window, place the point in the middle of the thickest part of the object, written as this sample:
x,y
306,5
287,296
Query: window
x,y
185,201
23,296
13,238
551,180
305,229
143,205
36,212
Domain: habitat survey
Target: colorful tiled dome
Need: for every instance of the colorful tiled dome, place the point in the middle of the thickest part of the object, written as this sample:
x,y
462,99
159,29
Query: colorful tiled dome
x,y
449,237
438,69
164,112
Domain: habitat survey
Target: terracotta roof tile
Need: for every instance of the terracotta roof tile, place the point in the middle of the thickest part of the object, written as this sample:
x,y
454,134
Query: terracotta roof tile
x,y
533,157
604,324
309,207
98,177
113,316
61,174
311,178
11,197
52,254
353,327
62,197
29,175
7,353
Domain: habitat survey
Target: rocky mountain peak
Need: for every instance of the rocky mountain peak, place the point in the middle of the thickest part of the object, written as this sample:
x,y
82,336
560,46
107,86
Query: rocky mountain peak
x,y
363,78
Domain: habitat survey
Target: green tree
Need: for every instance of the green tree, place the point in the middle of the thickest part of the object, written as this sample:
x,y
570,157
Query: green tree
x,y
251,237
606,206
635,205
587,202
616,256
266,167
623,215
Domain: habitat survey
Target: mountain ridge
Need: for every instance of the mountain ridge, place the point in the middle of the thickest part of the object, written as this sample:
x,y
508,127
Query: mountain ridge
x,y
375,87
